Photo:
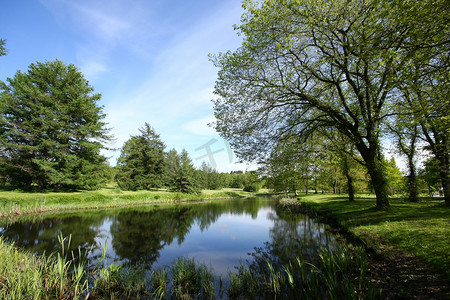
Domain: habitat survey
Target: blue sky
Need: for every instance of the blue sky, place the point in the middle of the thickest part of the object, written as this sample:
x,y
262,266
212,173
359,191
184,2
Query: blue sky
x,y
148,58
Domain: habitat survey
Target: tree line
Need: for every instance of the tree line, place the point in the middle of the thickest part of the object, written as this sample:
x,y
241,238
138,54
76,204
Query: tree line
x,y
144,164
320,165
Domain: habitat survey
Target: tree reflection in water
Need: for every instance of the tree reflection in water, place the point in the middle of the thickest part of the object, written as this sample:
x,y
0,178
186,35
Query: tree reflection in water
x,y
292,236
138,235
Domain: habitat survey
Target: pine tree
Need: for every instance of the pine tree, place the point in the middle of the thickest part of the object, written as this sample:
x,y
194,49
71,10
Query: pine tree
x,y
51,129
141,163
181,172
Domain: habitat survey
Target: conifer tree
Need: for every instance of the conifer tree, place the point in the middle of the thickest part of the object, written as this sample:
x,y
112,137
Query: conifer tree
x,y
52,129
141,162
181,172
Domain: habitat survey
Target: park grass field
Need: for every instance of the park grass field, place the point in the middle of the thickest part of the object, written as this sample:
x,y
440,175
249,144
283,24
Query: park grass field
x,y
16,203
421,228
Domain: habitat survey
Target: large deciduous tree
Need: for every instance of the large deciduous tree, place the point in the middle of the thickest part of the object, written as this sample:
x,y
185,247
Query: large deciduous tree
x,y
424,82
426,103
51,128
309,64
141,162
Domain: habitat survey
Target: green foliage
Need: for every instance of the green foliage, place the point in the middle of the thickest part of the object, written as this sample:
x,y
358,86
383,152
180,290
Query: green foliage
x,y
396,182
424,87
3,50
237,180
22,273
252,182
307,65
180,172
190,279
141,162
59,276
431,176
210,179
51,129
287,167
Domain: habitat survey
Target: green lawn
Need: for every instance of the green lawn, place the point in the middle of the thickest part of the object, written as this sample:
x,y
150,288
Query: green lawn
x,y
13,203
422,228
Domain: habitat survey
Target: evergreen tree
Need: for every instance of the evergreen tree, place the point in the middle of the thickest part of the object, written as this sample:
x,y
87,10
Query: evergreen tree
x,y
181,172
51,129
211,179
141,162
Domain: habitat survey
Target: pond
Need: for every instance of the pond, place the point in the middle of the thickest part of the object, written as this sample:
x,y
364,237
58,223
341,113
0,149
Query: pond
x,y
219,233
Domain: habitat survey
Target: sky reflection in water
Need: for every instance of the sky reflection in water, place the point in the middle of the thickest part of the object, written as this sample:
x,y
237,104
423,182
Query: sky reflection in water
x,y
220,234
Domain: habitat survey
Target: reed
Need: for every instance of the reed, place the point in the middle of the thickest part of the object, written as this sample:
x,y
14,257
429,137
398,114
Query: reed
x,y
186,279
159,283
340,274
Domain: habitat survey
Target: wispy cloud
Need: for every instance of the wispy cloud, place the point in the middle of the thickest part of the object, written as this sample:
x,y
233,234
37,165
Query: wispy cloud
x,y
150,60
103,23
200,126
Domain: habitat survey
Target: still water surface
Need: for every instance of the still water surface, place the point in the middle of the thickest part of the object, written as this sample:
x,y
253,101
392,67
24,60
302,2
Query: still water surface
x,y
220,233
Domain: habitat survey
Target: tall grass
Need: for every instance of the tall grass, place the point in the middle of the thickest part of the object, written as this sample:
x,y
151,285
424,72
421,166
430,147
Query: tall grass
x,y
338,275
185,279
342,274
24,275
21,274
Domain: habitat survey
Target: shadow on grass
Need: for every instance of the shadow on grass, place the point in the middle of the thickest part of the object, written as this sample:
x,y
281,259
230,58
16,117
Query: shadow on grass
x,y
362,211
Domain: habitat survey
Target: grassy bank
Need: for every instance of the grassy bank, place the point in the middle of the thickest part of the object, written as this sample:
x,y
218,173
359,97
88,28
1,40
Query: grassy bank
x,y
337,275
16,203
421,229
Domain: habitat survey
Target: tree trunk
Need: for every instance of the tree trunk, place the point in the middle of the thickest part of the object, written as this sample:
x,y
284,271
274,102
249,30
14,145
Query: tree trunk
x,y
444,169
439,148
412,181
379,182
351,190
